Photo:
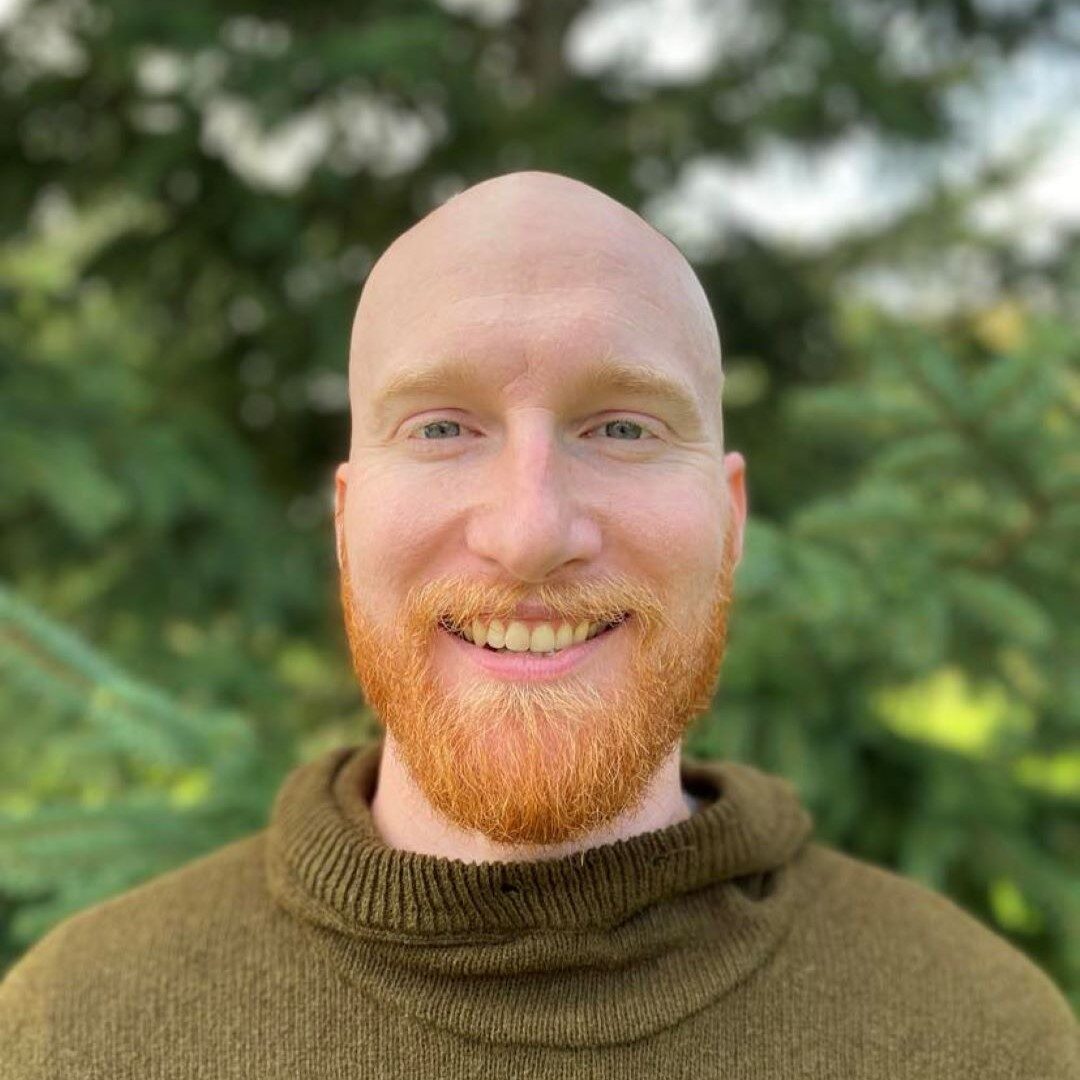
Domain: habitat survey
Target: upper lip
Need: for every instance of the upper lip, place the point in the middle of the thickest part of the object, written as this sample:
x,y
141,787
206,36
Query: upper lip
x,y
528,611
533,611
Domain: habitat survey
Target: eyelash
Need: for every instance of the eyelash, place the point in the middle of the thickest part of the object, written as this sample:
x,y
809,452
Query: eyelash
x,y
649,433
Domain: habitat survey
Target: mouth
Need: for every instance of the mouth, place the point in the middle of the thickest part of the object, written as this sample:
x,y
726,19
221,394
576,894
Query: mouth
x,y
533,666
532,638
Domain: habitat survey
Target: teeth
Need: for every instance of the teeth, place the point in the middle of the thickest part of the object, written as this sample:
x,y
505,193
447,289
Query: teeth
x,y
516,636
542,638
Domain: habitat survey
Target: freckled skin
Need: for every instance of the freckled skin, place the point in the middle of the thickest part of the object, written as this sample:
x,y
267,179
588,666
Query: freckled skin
x,y
514,490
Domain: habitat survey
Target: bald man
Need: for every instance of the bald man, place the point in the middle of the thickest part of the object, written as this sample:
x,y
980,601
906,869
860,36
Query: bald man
x,y
537,529
537,637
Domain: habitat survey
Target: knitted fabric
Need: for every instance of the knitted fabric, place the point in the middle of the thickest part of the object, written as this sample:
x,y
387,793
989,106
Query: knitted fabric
x,y
728,944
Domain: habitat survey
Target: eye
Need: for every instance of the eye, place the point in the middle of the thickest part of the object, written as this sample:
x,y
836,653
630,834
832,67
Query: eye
x,y
624,424
622,429
443,424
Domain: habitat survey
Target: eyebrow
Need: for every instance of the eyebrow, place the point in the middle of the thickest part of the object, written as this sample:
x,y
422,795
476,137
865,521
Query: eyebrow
x,y
605,375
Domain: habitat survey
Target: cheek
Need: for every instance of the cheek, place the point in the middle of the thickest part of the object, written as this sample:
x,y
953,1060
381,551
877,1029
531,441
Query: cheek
x,y
393,528
675,541
680,530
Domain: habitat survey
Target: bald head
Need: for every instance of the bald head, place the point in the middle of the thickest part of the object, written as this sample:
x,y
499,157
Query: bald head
x,y
532,249
535,387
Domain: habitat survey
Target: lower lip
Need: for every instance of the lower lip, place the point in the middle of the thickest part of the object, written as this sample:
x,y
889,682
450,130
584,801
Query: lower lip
x,y
532,667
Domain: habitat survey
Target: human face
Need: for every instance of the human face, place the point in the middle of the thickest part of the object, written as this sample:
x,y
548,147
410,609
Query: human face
x,y
522,472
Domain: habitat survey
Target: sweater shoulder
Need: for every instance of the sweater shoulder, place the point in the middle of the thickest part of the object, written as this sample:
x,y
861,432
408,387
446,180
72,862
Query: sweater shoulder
x,y
121,951
177,904
178,897
939,962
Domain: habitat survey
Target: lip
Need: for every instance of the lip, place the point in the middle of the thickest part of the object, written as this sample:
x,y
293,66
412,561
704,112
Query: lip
x,y
531,667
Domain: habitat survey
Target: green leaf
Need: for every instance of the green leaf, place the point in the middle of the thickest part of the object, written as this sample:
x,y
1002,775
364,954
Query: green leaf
x,y
1000,606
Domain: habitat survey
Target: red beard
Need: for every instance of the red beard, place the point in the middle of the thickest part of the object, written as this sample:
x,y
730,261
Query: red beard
x,y
538,763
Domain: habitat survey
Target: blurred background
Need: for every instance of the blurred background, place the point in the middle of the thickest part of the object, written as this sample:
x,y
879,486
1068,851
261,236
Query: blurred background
x,y
883,202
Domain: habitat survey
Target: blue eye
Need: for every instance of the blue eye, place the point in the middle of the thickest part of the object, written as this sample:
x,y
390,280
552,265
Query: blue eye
x,y
618,428
439,423
626,424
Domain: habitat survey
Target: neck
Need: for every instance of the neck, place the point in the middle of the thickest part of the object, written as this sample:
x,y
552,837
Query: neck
x,y
407,821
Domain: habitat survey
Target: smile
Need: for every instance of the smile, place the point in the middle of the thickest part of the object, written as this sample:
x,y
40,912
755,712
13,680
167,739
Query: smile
x,y
531,666
537,637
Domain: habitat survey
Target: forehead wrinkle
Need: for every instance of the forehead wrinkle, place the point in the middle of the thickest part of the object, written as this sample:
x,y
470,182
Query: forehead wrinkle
x,y
563,312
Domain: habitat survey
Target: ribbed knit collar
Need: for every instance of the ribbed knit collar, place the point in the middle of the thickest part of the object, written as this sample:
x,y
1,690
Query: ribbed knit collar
x,y
595,947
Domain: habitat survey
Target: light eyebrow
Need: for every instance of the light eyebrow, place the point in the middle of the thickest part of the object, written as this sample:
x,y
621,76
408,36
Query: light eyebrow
x,y
640,380
605,375
446,375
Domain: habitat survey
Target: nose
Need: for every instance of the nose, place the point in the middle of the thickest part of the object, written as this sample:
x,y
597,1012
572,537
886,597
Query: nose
x,y
532,523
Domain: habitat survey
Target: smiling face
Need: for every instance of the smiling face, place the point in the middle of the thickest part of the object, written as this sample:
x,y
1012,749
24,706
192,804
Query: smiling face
x,y
535,383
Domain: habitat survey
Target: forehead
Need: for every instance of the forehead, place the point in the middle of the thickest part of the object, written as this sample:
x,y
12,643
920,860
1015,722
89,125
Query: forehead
x,y
530,326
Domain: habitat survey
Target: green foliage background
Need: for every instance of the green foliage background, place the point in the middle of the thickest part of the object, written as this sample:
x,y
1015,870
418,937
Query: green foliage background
x,y
173,329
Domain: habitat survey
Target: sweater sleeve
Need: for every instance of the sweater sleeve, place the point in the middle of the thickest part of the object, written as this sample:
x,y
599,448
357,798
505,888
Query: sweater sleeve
x,y
1035,1029
26,997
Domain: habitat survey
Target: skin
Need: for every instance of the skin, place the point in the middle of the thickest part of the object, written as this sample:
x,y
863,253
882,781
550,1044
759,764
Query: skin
x,y
515,486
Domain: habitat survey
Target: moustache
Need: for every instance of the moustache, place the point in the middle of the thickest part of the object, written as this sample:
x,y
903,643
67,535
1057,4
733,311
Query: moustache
x,y
455,602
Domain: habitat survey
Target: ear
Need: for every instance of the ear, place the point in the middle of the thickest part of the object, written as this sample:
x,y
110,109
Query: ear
x,y
341,483
735,468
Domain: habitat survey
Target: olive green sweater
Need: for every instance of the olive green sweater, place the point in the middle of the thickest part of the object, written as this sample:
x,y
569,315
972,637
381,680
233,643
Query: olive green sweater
x,y
727,945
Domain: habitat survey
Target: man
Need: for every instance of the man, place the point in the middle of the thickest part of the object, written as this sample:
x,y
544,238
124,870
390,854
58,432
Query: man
x,y
537,529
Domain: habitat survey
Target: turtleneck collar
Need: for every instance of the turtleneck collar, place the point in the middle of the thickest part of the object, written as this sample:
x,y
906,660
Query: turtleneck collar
x,y
573,942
